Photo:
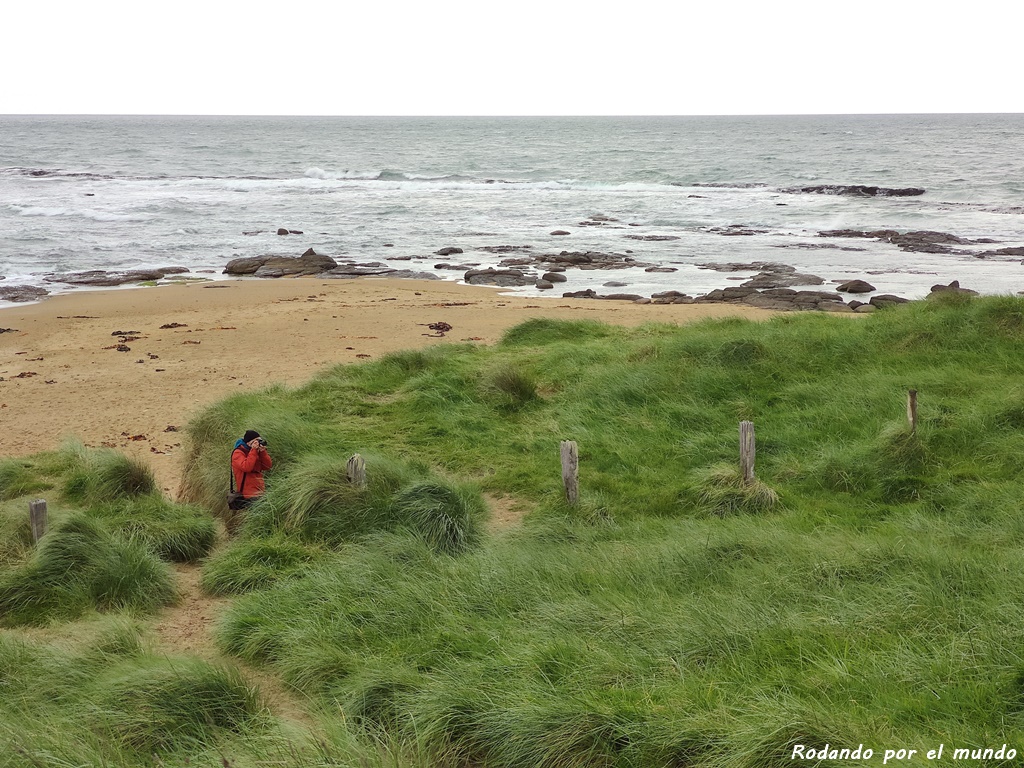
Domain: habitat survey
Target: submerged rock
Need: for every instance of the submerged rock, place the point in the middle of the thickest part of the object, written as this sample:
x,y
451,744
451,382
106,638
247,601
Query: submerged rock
x,y
20,293
857,190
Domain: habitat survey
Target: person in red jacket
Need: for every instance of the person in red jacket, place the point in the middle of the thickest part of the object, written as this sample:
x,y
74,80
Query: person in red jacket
x,y
249,460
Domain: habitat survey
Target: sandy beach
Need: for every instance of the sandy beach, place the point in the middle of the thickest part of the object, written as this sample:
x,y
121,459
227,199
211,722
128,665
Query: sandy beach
x,y
128,368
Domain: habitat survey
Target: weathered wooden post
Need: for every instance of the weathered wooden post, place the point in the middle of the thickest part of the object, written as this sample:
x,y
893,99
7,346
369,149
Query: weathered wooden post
x,y
571,471
912,410
747,451
37,518
356,471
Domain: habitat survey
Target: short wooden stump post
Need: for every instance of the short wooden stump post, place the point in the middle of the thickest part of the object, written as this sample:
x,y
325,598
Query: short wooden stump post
x,y
912,410
571,471
747,451
37,518
355,470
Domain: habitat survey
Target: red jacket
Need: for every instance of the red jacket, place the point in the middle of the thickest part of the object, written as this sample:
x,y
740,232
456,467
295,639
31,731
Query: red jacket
x,y
248,465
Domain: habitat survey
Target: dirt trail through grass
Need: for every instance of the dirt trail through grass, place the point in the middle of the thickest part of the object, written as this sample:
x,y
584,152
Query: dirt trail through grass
x,y
506,512
187,628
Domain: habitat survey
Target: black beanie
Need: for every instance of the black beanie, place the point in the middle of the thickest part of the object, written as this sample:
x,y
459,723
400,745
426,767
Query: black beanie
x,y
250,435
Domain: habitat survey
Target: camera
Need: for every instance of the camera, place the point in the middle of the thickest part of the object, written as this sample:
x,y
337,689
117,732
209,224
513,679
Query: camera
x,y
261,441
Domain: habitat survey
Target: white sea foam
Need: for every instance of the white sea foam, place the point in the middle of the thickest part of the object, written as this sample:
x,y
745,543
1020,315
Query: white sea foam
x,y
84,213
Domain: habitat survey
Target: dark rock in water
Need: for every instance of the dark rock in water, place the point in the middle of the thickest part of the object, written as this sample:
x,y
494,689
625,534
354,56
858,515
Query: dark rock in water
x,y
20,293
590,293
545,285
922,241
1014,251
953,287
601,217
406,274
506,278
294,231
246,265
736,230
887,300
559,232
449,251
503,248
781,276
102,279
517,261
353,269
554,277
653,238
556,269
615,284
282,231
459,267
856,286
309,263
622,297
857,190
662,269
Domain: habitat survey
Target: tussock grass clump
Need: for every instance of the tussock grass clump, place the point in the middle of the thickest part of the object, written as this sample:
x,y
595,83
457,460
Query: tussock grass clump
x,y
19,478
721,491
80,566
255,563
540,331
180,533
513,387
153,705
315,500
95,475
446,517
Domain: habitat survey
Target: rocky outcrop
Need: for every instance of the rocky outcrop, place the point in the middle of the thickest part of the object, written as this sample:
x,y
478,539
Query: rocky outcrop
x,y
309,263
504,278
921,241
953,287
652,238
101,278
554,277
780,276
559,233
355,269
856,190
21,293
785,299
856,286
887,300
449,251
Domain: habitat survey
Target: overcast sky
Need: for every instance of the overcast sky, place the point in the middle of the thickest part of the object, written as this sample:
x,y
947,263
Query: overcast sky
x,y
529,57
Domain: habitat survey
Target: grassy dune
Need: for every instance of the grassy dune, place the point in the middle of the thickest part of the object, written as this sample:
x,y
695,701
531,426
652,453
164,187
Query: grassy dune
x,y
866,590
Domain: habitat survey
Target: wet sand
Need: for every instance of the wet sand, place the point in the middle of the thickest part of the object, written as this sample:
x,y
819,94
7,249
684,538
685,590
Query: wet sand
x,y
105,368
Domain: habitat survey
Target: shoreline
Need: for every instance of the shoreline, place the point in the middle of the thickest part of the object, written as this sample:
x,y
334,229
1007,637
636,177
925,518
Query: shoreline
x,y
68,372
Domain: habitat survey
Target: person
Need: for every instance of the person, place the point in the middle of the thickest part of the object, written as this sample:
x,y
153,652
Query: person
x,y
249,460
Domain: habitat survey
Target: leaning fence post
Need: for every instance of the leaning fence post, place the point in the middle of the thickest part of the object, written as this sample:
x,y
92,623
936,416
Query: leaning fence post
x,y
356,471
747,451
37,518
912,409
570,471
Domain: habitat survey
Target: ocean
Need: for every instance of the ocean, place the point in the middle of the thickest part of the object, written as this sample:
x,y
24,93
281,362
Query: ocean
x,y
689,194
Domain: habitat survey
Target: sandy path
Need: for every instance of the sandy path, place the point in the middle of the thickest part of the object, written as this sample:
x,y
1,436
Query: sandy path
x,y
64,374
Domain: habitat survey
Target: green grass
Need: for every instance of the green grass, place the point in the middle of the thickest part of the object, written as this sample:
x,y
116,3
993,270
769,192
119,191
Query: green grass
x,y
79,566
865,589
